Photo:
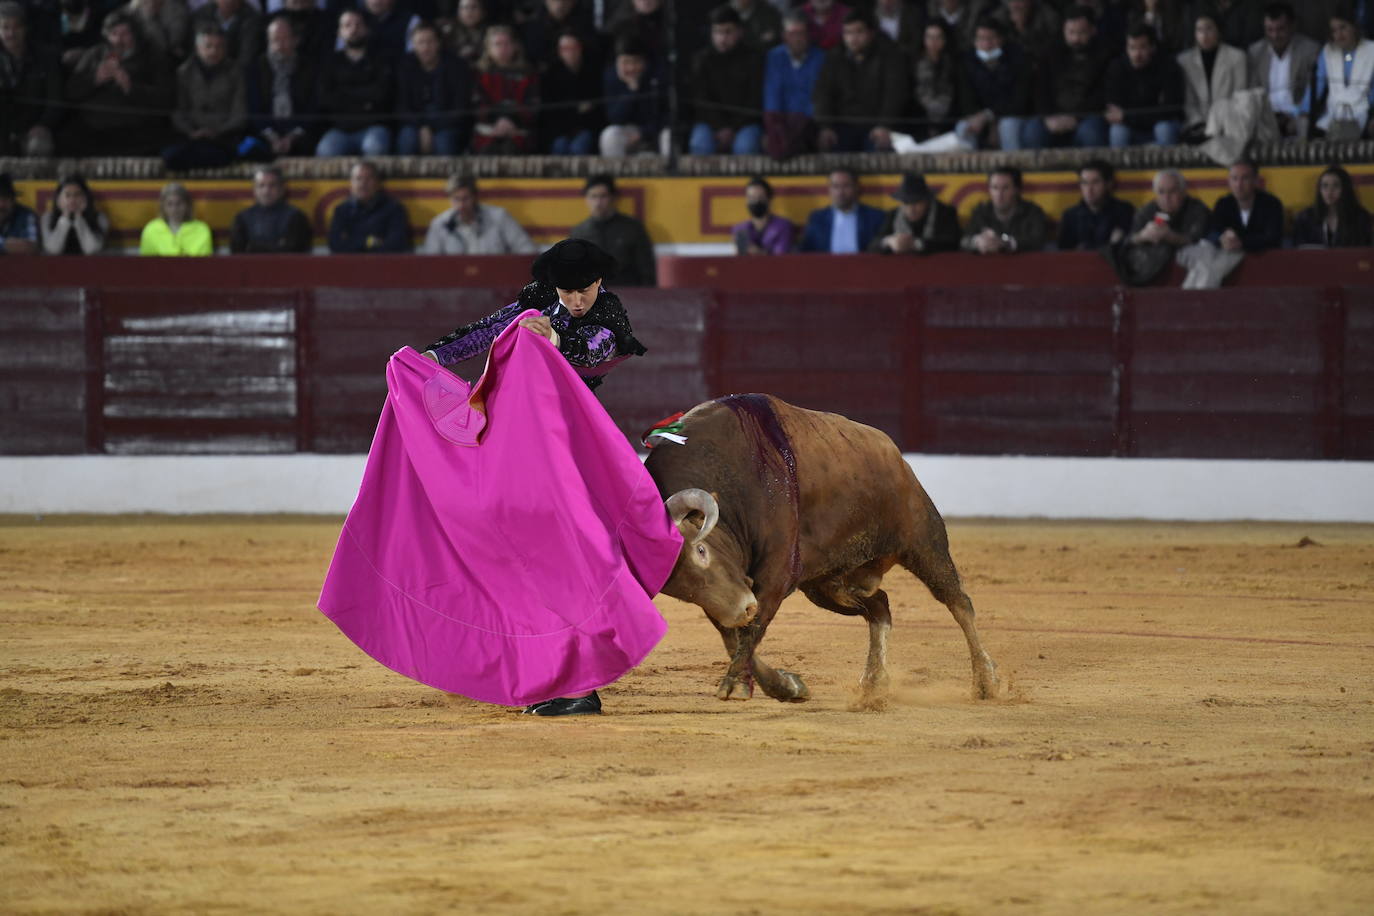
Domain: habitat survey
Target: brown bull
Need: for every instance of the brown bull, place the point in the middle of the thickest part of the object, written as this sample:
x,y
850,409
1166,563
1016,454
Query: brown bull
x,y
771,498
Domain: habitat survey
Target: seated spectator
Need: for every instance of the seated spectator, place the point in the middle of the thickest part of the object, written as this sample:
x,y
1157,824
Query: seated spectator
x,y
316,30
175,232
1237,20
936,81
30,88
623,236
825,21
762,22
1212,72
357,90
165,25
1100,218
846,226
241,24
644,22
1247,219
550,20
1072,91
74,225
506,97
862,91
764,232
1110,19
1006,223
389,24
1162,229
1166,20
919,225
636,113
271,225
1282,63
790,73
469,227
211,112
281,97
994,90
370,221
1343,90
122,90
902,22
468,32
1032,24
1314,17
435,87
1144,94
1336,219
571,89
727,77
18,224
961,17
81,28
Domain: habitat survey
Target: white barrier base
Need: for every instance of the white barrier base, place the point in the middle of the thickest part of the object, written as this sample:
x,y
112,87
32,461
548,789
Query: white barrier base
x,y
1001,487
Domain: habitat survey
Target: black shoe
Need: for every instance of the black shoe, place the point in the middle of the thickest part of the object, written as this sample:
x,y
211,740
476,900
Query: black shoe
x,y
590,705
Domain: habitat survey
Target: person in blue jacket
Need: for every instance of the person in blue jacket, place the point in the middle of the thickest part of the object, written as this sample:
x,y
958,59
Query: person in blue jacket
x,y
846,226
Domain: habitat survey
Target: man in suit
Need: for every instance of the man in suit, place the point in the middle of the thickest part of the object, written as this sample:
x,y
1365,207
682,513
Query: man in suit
x,y
846,226
1282,63
1247,219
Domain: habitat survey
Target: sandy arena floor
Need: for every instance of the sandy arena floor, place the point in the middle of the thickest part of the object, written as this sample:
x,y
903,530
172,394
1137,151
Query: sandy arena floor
x,y
1189,728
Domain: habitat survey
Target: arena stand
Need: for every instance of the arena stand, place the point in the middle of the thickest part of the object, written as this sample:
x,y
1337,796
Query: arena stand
x,y
1037,355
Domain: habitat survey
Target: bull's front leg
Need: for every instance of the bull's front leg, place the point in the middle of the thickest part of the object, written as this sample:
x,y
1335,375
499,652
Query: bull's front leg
x,y
738,683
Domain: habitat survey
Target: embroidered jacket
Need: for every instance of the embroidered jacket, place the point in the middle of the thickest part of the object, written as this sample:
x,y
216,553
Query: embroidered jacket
x,y
592,344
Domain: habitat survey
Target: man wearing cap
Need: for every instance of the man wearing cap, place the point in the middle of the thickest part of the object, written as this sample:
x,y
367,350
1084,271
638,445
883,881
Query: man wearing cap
x,y
18,225
921,225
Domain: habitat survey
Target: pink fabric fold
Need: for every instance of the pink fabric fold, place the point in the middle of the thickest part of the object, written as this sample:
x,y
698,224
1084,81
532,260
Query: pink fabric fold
x,y
506,540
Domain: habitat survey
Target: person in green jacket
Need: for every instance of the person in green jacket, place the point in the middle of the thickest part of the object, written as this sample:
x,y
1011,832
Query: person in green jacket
x,y
175,233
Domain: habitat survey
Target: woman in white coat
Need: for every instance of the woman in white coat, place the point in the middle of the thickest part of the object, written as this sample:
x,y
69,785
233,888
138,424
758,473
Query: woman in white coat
x,y
1212,72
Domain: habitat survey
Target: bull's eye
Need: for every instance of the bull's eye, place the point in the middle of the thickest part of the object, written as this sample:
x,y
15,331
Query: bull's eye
x,y
701,551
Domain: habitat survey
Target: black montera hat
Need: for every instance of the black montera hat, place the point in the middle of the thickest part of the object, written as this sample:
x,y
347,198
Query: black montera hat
x,y
573,264
913,188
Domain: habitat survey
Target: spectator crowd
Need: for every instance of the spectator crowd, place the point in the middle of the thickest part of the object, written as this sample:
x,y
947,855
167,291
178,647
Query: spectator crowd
x,y
1172,227
206,82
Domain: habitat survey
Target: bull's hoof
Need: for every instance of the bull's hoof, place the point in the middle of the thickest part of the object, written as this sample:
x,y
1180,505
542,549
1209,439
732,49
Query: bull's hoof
x,y
877,682
789,688
985,680
735,688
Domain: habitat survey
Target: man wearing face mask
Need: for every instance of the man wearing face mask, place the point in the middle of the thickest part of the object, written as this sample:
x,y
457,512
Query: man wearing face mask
x,y
994,91
80,28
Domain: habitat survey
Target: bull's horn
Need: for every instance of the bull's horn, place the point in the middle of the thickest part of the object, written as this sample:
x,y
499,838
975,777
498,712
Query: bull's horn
x,y
693,500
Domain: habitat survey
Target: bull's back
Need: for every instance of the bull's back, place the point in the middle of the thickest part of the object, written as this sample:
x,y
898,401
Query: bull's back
x,y
859,499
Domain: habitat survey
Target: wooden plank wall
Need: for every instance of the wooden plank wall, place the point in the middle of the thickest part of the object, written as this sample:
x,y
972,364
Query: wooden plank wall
x,y
1253,373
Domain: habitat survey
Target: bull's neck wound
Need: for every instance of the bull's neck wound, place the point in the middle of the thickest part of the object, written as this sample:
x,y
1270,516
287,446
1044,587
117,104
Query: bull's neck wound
x,y
771,448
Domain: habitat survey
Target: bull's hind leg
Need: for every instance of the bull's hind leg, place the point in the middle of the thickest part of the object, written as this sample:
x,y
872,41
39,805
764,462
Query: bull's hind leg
x,y
746,668
857,593
935,568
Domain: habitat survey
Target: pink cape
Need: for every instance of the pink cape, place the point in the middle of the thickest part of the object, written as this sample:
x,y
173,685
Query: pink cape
x,y
506,540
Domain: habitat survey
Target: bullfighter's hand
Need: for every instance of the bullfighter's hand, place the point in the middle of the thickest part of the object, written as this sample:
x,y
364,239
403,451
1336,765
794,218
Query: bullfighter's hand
x,y
540,325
